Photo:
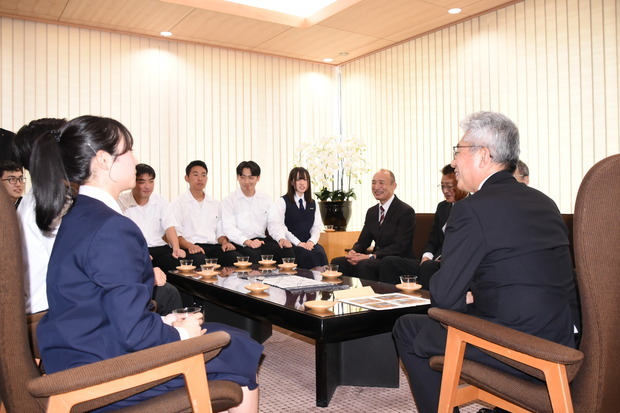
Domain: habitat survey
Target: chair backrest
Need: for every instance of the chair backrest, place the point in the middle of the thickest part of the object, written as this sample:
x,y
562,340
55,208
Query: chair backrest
x,y
17,365
597,256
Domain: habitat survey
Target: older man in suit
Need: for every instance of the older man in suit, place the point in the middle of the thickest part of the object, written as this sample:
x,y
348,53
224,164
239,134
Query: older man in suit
x,y
507,244
390,224
392,267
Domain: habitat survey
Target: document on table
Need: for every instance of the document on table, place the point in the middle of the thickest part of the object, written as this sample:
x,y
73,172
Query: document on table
x,y
386,301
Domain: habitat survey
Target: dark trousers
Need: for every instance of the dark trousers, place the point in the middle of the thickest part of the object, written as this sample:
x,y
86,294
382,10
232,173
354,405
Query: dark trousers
x,y
162,258
310,258
392,268
365,269
270,247
225,259
167,297
418,337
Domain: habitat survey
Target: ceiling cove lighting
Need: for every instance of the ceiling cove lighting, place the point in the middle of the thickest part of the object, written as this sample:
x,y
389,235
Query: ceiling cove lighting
x,y
166,34
455,11
300,8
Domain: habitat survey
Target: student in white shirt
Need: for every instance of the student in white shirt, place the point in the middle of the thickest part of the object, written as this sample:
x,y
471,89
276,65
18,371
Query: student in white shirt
x,y
198,223
246,219
298,212
151,213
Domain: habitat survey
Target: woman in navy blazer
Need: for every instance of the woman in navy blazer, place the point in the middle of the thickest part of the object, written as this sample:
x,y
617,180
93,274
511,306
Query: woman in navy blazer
x,y
100,278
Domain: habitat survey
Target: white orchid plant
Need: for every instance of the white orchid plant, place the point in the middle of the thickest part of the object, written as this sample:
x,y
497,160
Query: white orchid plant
x,y
332,163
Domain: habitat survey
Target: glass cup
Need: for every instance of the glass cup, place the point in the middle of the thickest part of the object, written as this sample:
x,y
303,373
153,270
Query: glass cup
x,y
288,260
186,263
266,257
331,268
210,263
184,312
409,280
243,258
328,227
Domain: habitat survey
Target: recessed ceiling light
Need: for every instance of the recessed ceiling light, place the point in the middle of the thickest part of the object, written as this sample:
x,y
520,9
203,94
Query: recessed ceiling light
x,y
455,11
328,60
166,34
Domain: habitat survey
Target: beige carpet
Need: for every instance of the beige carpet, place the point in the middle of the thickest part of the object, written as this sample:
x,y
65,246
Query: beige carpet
x,y
286,378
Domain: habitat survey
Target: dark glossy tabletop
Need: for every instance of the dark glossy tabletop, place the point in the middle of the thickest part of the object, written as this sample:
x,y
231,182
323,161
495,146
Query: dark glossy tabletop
x,y
235,280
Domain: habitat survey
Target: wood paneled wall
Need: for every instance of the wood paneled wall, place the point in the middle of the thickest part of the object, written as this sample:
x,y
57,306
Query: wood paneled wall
x,y
551,66
180,101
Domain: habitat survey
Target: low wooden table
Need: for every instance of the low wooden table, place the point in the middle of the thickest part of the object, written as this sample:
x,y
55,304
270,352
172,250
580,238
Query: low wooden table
x,y
354,346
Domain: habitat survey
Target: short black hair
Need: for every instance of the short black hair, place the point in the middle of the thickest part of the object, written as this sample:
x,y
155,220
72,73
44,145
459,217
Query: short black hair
x,y
189,166
447,170
251,165
143,168
10,166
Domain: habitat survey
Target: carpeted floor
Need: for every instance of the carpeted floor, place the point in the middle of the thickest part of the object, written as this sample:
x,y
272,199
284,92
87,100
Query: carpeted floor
x,y
286,378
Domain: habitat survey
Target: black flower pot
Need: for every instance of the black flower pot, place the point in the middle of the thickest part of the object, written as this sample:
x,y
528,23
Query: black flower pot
x,y
336,213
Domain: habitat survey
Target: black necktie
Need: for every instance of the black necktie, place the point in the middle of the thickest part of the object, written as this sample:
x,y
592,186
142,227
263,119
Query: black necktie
x,y
382,215
301,205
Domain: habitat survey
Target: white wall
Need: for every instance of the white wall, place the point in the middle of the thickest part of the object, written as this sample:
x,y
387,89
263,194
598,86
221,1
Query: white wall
x,y
551,66
180,101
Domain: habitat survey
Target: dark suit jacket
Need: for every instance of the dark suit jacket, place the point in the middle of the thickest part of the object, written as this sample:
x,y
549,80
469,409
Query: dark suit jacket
x,y
394,236
436,237
508,244
99,283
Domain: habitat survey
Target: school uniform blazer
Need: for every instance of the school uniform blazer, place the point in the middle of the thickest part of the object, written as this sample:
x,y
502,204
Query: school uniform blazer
x,y
436,237
508,244
394,236
99,283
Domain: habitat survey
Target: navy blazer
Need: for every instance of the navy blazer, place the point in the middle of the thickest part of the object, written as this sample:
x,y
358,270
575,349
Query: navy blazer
x,y
508,244
394,236
99,284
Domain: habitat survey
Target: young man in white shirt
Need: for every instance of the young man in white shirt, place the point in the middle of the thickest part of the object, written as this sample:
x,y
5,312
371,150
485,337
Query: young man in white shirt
x,y
247,216
198,220
151,213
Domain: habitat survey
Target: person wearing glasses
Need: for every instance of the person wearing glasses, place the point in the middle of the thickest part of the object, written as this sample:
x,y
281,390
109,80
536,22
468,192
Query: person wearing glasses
x,y
392,267
522,173
13,180
506,243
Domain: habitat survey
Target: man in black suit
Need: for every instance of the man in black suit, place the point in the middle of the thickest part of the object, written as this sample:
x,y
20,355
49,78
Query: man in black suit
x,y
392,268
390,224
507,244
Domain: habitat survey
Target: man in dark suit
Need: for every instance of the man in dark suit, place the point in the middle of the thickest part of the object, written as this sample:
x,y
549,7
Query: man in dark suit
x,y
507,244
390,224
392,268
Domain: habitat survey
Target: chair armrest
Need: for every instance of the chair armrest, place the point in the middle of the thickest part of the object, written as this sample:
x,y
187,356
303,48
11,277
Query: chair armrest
x,y
126,365
508,337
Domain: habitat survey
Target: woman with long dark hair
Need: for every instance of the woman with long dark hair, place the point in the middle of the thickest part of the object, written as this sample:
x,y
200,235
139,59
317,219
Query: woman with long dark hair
x,y
100,277
300,215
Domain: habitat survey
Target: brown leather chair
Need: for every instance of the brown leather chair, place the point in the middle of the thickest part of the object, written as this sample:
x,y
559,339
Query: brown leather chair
x,y
25,389
572,382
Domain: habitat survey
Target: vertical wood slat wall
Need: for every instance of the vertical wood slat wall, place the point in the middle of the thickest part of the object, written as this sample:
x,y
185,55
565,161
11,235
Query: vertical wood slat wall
x,y
180,101
550,65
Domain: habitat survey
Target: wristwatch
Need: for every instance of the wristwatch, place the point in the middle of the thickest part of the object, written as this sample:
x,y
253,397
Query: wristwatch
x,y
371,256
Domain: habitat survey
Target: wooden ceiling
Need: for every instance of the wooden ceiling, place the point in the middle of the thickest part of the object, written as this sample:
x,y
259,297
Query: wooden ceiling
x,y
354,28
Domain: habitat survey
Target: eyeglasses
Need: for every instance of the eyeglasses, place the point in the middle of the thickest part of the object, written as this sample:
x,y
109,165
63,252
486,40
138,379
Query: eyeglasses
x,y
14,180
455,149
442,187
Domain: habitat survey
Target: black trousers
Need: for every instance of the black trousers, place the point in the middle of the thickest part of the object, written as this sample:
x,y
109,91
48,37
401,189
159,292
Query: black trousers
x,y
365,269
225,259
417,338
393,267
270,247
168,298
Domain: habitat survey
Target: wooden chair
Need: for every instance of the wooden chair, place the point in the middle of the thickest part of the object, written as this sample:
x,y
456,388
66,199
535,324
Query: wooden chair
x,y
25,389
571,382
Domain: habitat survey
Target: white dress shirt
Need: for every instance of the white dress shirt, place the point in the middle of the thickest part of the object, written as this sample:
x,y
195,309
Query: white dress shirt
x,y
197,222
36,250
153,218
245,218
315,231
